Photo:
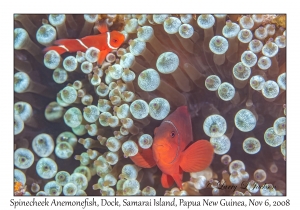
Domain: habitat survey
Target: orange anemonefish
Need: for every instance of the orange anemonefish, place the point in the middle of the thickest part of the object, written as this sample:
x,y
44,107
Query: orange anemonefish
x,y
172,150
19,188
105,42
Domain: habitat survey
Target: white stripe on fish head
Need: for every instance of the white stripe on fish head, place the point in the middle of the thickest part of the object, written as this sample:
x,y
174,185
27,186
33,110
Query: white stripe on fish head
x,y
108,42
178,140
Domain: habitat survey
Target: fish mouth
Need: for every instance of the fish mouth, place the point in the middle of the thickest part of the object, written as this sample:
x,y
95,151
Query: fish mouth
x,y
158,146
161,146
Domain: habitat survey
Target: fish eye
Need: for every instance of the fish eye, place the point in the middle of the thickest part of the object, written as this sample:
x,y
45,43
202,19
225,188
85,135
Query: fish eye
x,y
115,40
172,134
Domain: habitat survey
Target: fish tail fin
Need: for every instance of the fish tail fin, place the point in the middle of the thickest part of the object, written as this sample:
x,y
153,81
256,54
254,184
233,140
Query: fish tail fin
x,y
166,180
73,45
60,50
144,158
197,156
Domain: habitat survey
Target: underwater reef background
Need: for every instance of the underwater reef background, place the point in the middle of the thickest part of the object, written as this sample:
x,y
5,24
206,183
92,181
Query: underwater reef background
x,y
78,121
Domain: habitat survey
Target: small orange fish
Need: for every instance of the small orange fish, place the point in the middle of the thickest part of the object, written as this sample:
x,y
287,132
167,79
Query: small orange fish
x,y
173,151
19,188
105,42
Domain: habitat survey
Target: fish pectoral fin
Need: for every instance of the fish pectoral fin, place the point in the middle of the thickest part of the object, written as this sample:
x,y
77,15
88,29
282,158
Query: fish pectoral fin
x,y
166,180
144,158
197,157
102,27
101,56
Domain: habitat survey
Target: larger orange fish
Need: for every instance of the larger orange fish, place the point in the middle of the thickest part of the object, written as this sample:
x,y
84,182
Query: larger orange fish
x,y
172,150
105,42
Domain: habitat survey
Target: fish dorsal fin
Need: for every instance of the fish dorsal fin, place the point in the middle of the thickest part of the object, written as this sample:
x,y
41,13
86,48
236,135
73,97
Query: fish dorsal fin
x,y
102,27
144,158
166,180
197,156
